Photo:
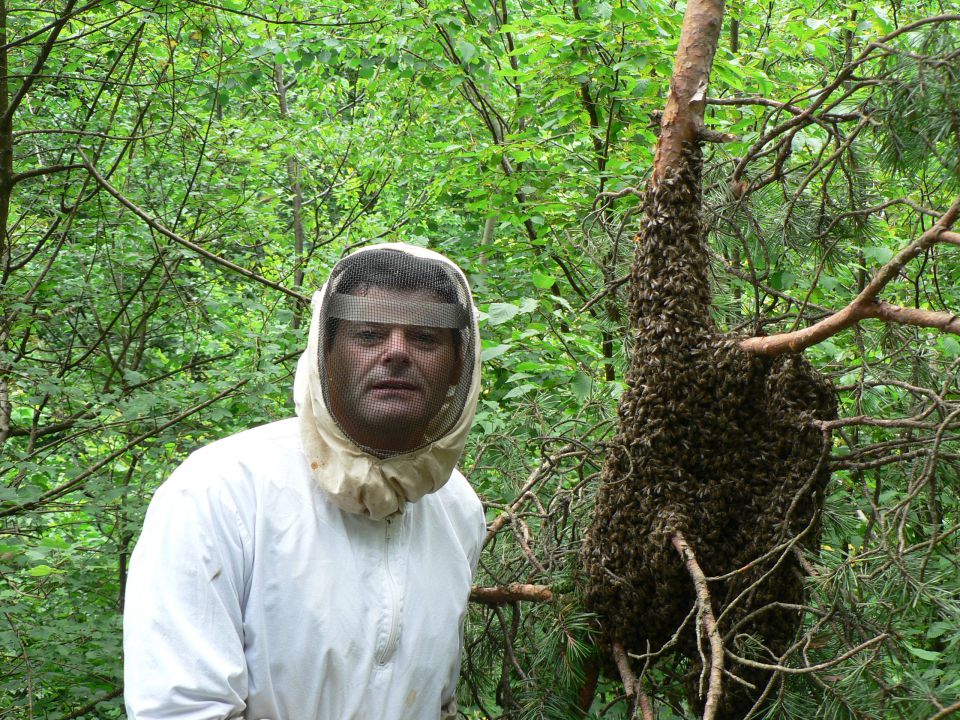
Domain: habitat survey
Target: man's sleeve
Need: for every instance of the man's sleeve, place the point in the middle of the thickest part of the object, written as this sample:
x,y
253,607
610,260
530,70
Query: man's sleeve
x,y
182,623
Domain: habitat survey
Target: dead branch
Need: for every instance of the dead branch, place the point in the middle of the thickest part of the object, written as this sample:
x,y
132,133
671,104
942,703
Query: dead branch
x,y
631,683
706,619
506,594
541,471
810,668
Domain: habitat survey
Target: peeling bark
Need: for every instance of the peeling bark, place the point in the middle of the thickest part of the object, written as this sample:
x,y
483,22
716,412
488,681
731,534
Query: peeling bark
x,y
682,120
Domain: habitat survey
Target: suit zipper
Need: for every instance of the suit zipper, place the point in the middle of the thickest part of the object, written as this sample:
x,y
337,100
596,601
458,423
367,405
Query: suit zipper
x,y
393,635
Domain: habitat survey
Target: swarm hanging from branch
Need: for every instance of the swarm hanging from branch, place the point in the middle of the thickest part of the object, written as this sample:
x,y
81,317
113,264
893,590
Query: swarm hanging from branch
x,y
715,479
719,451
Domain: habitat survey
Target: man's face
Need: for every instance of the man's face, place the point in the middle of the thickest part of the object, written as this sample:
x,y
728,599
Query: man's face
x,y
385,383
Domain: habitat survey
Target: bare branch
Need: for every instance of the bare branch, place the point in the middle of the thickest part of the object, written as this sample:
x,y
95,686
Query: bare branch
x,y
709,623
506,594
810,668
48,170
865,304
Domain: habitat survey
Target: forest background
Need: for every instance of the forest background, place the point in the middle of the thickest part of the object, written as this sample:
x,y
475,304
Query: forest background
x,y
175,178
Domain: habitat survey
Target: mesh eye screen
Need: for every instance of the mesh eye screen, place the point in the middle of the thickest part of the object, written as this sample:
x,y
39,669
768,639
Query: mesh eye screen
x,y
426,314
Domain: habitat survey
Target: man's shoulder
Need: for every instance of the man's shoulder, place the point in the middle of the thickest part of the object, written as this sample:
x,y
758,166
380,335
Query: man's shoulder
x,y
458,493
280,437
251,454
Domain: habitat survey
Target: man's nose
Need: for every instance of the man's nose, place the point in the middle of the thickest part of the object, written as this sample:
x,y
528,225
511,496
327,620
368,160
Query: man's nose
x,y
396,348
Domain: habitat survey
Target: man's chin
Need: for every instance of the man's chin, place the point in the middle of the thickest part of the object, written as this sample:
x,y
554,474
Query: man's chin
x,y
397,429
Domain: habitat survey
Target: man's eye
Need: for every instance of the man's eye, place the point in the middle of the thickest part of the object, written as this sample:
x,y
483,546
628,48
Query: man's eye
x,y
368,335
425,337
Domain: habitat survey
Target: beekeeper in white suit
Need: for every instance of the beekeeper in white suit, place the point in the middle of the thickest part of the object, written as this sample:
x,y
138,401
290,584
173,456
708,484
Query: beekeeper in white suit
x,y
318,568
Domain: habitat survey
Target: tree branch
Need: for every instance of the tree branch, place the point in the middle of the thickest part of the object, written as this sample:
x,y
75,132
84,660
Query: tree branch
x,y
811,668
631,683
865,305
682,120
48,170
506,594
706,619
946,712
222,262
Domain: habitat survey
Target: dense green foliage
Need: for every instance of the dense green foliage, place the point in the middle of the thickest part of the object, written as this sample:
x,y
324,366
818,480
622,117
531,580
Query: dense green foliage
x,y
508,135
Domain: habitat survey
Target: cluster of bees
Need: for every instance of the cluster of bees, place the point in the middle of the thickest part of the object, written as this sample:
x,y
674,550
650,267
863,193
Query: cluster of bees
x,y
713,443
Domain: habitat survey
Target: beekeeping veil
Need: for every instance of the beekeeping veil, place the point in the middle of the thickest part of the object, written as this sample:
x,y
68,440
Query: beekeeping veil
x,y
388,385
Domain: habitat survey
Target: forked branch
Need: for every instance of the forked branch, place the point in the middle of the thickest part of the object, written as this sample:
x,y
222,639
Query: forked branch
x,y
866,305
706,619
631,683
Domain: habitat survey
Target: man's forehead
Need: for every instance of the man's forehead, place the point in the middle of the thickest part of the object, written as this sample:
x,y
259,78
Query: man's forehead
x,y
397,307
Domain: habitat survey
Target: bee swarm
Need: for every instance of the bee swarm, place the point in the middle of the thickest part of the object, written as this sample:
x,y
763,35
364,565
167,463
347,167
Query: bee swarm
x,y
714,443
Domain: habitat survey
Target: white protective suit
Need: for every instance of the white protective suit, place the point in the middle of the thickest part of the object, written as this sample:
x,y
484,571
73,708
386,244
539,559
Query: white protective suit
x,y
253,594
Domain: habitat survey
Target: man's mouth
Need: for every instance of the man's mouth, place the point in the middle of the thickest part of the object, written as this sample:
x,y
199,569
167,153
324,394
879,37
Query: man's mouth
x,y
395,385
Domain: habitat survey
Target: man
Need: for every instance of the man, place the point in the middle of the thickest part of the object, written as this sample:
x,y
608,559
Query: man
x,y
318,568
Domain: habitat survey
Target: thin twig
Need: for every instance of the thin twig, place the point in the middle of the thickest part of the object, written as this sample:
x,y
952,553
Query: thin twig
x,y
169,234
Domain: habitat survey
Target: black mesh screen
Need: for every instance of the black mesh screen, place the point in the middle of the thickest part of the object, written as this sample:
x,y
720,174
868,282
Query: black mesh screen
x,y
397,348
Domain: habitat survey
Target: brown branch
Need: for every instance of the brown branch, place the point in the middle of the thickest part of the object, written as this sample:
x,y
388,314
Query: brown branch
x,y
945,321
631,683
589,690
865,305
623,665
48,170
946,712
682,120
715,136
506,594
706,618
223,262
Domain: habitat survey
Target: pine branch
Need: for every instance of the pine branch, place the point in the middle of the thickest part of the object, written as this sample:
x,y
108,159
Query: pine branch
x,y
865,305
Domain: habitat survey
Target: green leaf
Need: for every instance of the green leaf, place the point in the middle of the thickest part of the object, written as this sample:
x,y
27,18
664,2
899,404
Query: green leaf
x,y
43,570
466,51
878,253
542,280
499,313
520,390
528,305
949,345
581,386
921,653
829,283
492,352
939,628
